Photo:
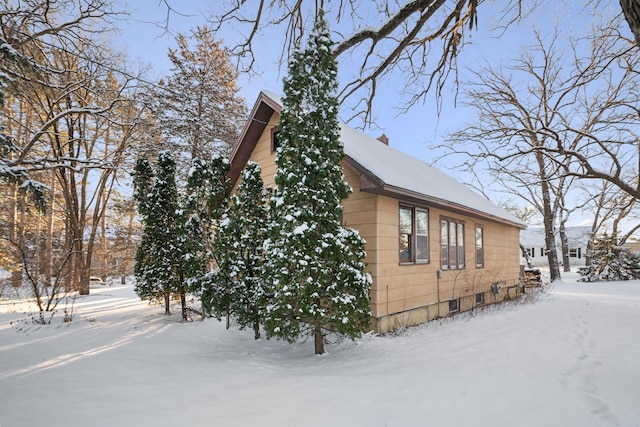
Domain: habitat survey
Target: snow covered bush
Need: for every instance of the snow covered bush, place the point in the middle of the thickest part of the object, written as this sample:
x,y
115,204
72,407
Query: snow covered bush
x,y
610,261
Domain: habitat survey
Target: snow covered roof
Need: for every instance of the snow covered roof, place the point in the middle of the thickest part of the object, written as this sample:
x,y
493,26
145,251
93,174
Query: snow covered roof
x,y
383,169
534,236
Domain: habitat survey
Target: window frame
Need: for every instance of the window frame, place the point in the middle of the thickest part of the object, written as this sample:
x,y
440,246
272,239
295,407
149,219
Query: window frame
x,y
452,248
274,139
480,298
412,239
454,305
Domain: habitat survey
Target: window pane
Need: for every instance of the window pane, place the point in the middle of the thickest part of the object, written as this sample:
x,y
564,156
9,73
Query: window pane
x,y
405,248
453,247
422,222
479,247
406,228
444,229
422,235
405,221
422,249
460,245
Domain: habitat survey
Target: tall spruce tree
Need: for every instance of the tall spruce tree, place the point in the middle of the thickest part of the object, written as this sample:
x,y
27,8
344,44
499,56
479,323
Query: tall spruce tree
x,y
204,202
199,109
158,260
237,284
313,265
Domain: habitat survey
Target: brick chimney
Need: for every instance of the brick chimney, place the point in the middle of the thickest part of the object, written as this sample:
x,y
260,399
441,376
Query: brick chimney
x,y
384,139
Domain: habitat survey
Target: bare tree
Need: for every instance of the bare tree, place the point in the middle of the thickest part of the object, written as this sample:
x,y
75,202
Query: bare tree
x,y
536,112
417,41
81,117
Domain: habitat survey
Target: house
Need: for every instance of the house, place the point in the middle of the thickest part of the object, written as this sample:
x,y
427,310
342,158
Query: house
x,y
533,243
434,247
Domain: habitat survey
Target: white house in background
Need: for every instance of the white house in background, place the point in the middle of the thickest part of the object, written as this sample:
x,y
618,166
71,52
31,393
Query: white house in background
x,y
533,242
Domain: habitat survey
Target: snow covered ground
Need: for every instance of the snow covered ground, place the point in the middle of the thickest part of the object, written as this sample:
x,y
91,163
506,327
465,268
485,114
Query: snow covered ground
x,y
570,359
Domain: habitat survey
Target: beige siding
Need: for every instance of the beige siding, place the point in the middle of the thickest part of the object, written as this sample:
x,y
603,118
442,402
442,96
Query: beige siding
x,y
263,156
403,287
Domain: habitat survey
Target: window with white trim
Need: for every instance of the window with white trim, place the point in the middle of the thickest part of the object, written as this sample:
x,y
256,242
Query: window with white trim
x,y
414,234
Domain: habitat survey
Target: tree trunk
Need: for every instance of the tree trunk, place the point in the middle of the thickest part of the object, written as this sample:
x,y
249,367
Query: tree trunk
x,y
318,338
548,220
564,242
256,330
183,304
103,248
167,302
129,248
48,255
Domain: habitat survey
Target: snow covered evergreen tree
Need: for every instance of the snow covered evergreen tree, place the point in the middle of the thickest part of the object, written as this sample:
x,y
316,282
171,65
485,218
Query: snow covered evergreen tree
x,y
610,261
205,199
158,259
237,286
313,265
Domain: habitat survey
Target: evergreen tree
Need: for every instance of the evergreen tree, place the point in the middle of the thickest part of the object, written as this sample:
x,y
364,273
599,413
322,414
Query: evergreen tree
x,y
199,109
313,265
158,260
237,286
610,261
207,191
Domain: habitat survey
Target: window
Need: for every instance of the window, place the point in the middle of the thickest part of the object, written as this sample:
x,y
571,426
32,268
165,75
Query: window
x,y
480,298
275,141
414,235
479,246
575,252
454,305
452,244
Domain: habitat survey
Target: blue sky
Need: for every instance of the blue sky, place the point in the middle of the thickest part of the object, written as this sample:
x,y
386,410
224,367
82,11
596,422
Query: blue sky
x,y
409,132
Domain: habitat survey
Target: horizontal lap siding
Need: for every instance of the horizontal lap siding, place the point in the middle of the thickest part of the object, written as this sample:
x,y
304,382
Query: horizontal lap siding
x,y
360,213
263,156
406,287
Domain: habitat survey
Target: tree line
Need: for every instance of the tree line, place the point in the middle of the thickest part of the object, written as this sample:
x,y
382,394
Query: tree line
x,y
277,259
74,119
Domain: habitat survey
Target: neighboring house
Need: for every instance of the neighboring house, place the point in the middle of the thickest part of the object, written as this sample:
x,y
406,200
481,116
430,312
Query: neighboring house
x,y
434,247
533,242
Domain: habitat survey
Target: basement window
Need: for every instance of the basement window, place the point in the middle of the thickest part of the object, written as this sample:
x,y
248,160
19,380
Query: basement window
x,y
480,298
454,305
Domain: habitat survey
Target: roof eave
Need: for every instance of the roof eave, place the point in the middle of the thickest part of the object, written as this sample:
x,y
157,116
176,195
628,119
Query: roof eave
x,y
372,184
258,120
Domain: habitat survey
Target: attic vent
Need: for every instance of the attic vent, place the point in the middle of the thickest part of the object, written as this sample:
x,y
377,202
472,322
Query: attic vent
x,y
384,139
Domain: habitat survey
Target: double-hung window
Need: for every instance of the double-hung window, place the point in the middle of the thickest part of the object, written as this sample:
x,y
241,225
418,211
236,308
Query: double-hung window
x,y
452,244
414,235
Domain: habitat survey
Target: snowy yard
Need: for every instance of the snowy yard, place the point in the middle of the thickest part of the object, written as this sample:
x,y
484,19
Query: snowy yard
x,y
570,359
